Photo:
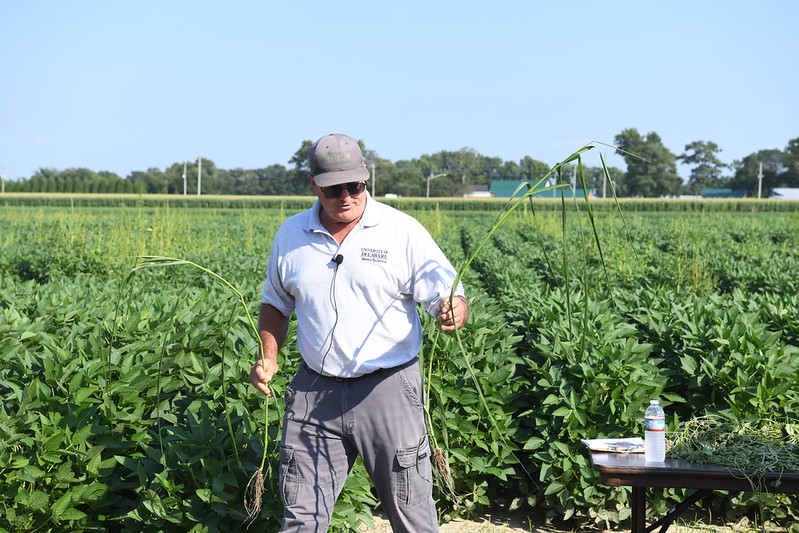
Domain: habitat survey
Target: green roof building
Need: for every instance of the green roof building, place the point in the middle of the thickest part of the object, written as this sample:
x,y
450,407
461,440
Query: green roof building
x,y
723,193
506,188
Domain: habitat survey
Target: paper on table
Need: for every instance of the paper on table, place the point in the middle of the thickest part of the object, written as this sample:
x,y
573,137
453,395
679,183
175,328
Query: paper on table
x,y
629,445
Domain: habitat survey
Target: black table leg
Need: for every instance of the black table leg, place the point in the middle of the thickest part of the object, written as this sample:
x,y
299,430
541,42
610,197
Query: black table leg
x,y
638,500
675,512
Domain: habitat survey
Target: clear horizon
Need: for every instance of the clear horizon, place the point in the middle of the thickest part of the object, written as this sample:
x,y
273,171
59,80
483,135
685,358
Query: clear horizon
x,y
124,87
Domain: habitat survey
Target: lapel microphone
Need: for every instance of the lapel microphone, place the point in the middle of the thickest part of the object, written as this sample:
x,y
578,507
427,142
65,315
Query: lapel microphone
x,y
338,259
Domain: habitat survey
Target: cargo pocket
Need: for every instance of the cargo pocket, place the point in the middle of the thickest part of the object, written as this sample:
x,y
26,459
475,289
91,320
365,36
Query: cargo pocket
x,y
414,476
289,478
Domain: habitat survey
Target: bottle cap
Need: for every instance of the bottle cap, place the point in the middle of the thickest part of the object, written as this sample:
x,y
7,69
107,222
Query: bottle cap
x,y
654,402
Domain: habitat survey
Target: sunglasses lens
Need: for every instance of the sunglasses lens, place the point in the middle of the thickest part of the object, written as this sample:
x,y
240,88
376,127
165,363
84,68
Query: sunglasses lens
x,y
334,191
356,187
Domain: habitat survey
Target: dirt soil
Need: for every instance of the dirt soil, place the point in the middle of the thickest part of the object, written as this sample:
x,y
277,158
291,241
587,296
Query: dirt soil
x,y
489,524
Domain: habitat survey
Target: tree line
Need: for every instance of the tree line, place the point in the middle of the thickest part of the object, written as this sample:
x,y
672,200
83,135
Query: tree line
x,y
651,172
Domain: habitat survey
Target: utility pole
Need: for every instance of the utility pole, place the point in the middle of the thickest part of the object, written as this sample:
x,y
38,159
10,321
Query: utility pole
x,y
2,180
574,178
199,172
760,181
184,179
431,178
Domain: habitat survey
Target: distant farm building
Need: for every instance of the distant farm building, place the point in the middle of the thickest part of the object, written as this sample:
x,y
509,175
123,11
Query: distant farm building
x,y
479,191
785,193
506,188
723,193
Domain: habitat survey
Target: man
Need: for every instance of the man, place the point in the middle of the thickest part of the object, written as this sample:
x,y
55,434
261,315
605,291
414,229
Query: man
x,y
353,270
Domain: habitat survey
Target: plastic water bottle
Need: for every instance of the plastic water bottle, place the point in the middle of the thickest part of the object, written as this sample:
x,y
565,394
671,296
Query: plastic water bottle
x,y
655,433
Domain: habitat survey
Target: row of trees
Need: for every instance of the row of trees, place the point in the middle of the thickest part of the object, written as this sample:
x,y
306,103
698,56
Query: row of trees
x,y
75,180
652,168
651,172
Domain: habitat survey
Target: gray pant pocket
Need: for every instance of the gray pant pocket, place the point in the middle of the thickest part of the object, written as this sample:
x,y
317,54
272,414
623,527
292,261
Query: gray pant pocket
x,y
289,477
412,386
414,476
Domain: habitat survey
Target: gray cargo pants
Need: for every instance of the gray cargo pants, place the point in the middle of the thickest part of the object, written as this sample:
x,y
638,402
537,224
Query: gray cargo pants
x,y
330,421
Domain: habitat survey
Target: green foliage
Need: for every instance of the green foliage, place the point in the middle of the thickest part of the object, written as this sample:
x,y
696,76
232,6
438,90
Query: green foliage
x,y
126,408
775,168
751,448
118,421
52,252
465,205
651,167
477,445
74,180
651,172
662,327
707,167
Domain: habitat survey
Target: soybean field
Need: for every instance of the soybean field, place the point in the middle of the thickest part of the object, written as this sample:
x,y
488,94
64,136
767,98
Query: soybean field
x,y
126,339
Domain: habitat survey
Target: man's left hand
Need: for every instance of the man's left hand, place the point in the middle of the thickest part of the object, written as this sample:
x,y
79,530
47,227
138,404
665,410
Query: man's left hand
x,y
452,315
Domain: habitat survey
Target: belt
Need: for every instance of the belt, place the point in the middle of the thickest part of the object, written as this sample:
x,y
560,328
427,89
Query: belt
x,y
379,371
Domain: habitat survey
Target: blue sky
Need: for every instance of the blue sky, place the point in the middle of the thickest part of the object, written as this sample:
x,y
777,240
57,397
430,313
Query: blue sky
x,y
124,86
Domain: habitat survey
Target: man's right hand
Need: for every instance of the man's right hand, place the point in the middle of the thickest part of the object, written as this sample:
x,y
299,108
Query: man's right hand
x,y
261,374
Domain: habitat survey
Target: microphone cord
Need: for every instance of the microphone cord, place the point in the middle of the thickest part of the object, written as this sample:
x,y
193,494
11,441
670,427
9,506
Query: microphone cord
x,y
338,259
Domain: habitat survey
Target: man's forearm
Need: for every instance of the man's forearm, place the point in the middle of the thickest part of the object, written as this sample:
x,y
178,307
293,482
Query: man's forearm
x,y
272,328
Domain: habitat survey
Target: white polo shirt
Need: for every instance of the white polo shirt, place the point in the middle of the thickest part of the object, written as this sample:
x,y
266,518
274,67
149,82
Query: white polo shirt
x,y
360,315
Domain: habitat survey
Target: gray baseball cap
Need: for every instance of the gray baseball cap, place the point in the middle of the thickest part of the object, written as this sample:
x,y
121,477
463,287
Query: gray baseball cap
x,y
337,158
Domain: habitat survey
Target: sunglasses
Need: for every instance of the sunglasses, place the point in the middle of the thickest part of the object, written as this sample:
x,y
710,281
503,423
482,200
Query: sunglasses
x,y
334,191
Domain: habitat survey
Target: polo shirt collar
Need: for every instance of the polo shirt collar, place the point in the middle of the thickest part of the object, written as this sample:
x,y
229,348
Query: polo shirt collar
x,y
373,213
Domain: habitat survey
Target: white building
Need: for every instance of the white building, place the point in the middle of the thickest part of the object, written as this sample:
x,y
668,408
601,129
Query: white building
x,y
785,193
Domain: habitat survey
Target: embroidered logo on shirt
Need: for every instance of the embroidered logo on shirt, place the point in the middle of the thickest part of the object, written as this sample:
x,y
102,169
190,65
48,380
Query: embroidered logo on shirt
x,y
374,255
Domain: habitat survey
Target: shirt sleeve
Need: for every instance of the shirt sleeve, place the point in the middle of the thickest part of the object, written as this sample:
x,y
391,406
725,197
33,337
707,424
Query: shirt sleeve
x,y
433,274
274,293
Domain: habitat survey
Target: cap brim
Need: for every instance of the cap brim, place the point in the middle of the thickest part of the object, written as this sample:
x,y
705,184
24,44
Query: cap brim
x,y
341,176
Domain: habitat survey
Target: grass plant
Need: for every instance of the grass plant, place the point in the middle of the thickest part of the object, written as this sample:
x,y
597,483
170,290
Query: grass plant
x,y
523,194
253,499
751,448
